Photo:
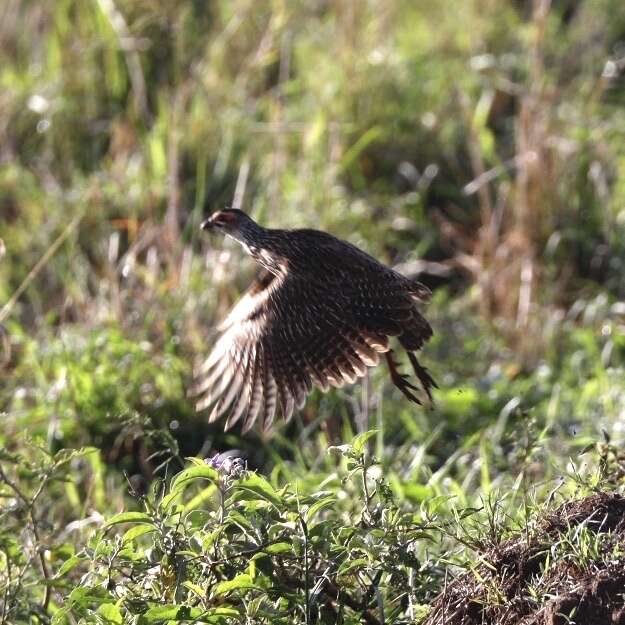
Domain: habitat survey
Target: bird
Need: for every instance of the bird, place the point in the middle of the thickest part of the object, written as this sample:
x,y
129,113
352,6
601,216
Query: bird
x,y
320,312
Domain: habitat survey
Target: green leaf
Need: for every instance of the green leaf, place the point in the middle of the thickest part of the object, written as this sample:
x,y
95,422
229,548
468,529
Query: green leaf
x,y
177,613
317,506
110,614
240,582
198,472
353,152
160,613
210,538
129,517
350,565
68,565
416,492
320,528
84,596
169,499
66,455
241,520
196,589
219,616
197,462
59,617
197,501
253,486
359,442
344,450
139,530
278,548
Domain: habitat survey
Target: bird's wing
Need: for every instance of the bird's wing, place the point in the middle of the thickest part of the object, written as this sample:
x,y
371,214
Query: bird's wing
x,y
288,334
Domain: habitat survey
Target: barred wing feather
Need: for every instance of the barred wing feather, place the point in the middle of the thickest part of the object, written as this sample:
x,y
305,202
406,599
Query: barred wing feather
x,y
288,334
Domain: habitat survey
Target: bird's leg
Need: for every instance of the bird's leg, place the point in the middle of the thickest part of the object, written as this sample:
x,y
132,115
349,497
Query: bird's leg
x,y
400,380
427,381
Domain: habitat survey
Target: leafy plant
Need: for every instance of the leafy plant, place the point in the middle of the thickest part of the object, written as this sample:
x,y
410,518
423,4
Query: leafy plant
x,y
220,543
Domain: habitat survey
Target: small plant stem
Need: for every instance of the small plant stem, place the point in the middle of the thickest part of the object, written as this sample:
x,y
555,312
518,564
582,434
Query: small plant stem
x,y
32,274
306,587
31,513
221,505
7,587
365,488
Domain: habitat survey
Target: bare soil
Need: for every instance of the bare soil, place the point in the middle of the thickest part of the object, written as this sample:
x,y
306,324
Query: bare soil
x,y
550,577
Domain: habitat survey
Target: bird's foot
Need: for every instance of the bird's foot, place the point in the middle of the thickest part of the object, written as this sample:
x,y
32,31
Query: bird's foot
x,y
427,381
400,380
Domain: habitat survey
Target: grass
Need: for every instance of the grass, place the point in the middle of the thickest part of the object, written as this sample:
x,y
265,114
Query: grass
x,y
479,148
349,539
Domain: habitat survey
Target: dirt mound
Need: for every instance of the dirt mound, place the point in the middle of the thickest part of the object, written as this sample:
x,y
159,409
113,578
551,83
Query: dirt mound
x,y
569,570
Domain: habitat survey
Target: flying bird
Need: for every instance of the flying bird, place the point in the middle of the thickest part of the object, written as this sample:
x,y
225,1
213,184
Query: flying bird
x,y
319,313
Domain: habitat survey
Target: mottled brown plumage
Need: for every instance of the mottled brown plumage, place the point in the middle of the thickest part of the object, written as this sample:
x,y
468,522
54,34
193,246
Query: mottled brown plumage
x,y
320,313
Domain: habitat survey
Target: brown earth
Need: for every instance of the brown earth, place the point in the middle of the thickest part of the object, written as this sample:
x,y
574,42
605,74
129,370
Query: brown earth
x,y
551,577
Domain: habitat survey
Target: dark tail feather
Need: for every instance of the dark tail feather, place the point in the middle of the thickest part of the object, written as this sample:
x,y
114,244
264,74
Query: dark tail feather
x,y
415,333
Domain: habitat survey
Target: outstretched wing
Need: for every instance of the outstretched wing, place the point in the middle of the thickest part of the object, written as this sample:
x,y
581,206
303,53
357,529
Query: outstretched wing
x,y
288,334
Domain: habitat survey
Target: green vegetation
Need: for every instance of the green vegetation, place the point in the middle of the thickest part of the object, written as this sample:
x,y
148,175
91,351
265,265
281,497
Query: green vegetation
x,y
478,145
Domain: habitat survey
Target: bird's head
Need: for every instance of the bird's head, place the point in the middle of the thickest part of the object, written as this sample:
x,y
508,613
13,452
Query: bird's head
x,y
230,221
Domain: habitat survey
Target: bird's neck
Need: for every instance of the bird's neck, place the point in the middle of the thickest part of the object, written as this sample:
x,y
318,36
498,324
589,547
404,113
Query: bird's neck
x,y
262,244
249,234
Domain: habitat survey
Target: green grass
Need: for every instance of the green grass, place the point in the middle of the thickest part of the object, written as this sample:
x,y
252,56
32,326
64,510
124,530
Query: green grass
x,y
480,147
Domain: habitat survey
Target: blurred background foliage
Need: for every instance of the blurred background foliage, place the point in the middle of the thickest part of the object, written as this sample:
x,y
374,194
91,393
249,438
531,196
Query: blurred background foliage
x,y
477,145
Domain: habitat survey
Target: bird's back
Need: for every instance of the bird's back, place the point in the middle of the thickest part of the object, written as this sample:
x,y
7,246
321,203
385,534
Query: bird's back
x,y
322,256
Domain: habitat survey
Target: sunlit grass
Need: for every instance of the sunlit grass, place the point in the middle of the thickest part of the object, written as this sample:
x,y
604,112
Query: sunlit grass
x,y
479,146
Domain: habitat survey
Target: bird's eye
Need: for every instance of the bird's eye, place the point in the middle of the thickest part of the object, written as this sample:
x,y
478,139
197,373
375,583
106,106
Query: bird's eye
x,y
223,219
